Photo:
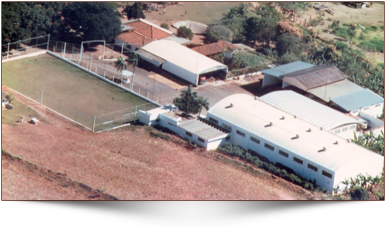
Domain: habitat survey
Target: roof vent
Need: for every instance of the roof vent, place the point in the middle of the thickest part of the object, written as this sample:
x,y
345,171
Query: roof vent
x,y
230,106
324,149
348,140
297,136
282,118
294,116
336,142
270,124
321,128
308,130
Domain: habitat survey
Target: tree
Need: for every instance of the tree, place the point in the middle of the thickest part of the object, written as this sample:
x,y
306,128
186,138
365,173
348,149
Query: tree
x,y
134,11
239,11
269,17
96,20
185,32
252,29
133,61
23,20
202,102
120,64
218,32
289,43
187,101
359,193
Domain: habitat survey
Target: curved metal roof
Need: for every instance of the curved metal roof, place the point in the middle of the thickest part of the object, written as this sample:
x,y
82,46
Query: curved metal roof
x,y
358,100
307,109
253,115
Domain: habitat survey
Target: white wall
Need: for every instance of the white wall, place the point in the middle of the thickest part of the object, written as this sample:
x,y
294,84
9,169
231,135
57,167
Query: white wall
x,y
374,110
270,80
345,131
180,72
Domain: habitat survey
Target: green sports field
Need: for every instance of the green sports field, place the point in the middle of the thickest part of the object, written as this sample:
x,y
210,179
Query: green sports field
x,y
67,89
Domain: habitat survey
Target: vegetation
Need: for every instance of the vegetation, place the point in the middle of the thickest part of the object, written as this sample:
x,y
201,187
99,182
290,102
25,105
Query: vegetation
x,y
375,45
185,32
262,162
165,25
218,32
93,20
133,61
359,193
248,60
134,11
120,64
371,142
190,102
289,43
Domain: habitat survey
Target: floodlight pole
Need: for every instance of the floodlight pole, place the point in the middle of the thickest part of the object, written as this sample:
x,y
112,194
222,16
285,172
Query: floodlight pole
x,y
8,51
64,51
93,124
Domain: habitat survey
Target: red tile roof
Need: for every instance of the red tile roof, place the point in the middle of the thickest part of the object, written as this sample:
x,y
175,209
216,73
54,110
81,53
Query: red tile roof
x,y
144,32
215,48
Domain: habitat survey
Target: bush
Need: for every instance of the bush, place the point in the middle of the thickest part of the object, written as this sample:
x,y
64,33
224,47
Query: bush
x,y
10,98
218,32
341,45
379,196
185,32
165,25
341,31
359,193
376,45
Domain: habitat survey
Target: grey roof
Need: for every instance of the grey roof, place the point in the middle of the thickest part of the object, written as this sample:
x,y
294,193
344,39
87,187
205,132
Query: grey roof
x,y
281,70
307,109
201,129
358,100
126,27
178,39
155,59
315,76
334,90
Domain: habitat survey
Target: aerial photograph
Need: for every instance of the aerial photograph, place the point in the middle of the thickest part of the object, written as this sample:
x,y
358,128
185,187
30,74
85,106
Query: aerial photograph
x,y
192,101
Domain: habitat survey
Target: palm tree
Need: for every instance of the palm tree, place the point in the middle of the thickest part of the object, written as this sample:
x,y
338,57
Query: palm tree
x,y
120,65
133,61
202,103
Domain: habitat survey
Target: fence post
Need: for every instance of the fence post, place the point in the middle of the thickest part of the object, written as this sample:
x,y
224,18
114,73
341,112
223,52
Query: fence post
x,y
104,74
122,50
135,114
8,51
48,42
64,50
41,98
93,125
90,62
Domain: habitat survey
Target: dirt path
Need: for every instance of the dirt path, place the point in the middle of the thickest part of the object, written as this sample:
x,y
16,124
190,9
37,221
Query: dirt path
x,y
125,163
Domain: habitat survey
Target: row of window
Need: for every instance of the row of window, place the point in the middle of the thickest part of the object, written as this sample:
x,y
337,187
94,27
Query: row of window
x,y
191,135
352,127
225,126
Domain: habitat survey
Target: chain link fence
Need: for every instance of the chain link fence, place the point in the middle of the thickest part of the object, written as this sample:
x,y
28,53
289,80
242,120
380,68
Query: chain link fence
x,y
24,47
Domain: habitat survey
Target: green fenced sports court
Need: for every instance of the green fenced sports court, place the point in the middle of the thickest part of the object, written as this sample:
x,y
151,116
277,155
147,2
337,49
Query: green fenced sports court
x,y
71,91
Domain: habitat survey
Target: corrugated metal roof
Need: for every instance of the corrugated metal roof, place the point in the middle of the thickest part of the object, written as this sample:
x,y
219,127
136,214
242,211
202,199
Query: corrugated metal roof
x,y
331,91
201,129
307,109
315,76
281,70
252,115
358,100
179,40
183,57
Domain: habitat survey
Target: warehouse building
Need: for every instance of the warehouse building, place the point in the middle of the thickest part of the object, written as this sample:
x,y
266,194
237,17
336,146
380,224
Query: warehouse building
x,y
181,61
280,137
315,113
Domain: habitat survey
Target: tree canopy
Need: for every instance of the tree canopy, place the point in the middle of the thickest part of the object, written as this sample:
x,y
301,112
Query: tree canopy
x,y
218,32
190,102
96,20
134,11
185,32
22,20
289,43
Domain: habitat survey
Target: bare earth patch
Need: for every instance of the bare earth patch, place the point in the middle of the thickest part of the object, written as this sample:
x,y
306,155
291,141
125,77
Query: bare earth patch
x,y
127,164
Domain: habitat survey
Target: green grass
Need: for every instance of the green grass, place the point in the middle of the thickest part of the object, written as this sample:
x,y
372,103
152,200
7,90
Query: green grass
x,y
67,89
19,110
375,45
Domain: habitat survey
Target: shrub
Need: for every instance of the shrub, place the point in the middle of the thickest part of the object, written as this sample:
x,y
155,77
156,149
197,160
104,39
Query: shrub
x,y
185,32
10,98
218,32
165,25
379,196
359,193
341,31
341,45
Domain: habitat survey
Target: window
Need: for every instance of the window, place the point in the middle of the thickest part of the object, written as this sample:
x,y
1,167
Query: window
x,y
337,131
352,127
170,124
365,108
283,153
227,127
189,134
329,175
377,105
201,140
298,161
213,120
227,138
344,129
240,133
269,147
158,120
314,168
255,140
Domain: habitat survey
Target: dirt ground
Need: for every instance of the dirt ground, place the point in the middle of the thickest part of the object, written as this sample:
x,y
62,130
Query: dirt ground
x,y
126,163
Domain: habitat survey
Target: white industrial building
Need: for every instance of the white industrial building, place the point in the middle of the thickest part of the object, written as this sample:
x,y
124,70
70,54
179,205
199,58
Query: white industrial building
x,y
180,60
315,113
312,153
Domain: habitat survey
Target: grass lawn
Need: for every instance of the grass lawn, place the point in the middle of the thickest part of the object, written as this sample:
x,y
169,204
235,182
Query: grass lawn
x,y
67,89
19,110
